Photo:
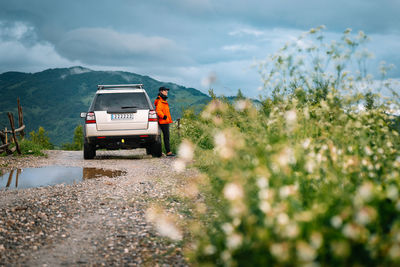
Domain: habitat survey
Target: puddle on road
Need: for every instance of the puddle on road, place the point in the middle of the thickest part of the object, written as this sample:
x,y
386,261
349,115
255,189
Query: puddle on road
x,y
51,175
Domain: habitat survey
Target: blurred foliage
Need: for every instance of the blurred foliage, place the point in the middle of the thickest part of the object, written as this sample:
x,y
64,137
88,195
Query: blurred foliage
x,y
310,177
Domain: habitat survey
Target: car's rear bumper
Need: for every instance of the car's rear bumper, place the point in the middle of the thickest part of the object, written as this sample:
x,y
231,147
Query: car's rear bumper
x,y
122,142
92,131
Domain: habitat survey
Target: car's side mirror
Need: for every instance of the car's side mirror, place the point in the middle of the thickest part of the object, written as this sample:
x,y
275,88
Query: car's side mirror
x,y
83,114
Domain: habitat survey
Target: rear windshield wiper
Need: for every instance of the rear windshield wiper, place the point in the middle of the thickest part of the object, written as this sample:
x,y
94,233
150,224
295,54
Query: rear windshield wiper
x,y
128,107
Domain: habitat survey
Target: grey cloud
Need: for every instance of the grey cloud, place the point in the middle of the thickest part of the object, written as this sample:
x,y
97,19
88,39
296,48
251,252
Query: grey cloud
x,y
106,46
368,15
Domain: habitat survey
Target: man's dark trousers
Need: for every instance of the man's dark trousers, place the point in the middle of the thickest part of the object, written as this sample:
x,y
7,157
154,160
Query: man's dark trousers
x,y
165,131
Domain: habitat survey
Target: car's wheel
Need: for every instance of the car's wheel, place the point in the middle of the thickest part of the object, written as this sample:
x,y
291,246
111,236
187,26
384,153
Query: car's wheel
x,y
155,148
89,151
148,150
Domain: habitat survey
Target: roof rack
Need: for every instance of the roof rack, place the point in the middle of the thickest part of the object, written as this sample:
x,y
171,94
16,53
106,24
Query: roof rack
x,y
117,86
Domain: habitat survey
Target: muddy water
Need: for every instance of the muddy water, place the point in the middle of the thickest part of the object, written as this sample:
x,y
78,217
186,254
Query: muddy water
x,y
51,175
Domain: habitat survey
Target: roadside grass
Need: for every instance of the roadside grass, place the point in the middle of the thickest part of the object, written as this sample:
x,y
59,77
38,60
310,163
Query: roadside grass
x,y
28,148
33,145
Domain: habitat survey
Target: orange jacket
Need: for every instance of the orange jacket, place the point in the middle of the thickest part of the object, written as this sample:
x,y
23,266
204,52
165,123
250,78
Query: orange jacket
x,y
162,109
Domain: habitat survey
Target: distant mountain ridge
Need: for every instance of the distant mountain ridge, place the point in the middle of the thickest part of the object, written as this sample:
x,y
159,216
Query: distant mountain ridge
x,y
54,98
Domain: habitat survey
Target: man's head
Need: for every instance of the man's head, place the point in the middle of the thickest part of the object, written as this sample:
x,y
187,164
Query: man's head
x,y
163,90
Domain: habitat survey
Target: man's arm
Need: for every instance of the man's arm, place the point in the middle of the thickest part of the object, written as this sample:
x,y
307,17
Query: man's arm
x,y
160,114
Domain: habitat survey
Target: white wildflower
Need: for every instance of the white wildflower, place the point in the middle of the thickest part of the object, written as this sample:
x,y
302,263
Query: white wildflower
x,y
234,241
265,206
365,215
368,151
233,191
227,228
163,224
286,156
220,139
241,105
283,219
186,151
305,252
316,240
288,190
351,231
222,147
320,157
310,165
324,105
292,230
378,166
336,221
179,165
265,194
280,251
262,182
291,117
306,143
392,192
209,250
226,256
366,191
236,222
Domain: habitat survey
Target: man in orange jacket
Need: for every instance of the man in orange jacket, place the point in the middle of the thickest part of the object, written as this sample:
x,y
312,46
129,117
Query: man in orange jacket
x,y
164,116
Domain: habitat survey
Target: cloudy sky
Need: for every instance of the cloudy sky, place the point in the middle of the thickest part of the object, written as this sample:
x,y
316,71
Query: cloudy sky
x,y
182,41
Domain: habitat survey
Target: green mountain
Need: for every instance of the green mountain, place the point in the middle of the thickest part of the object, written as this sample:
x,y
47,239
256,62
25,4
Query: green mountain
x,y
54,98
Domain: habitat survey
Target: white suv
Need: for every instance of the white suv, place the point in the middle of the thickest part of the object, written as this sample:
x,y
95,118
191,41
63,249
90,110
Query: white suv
x,y
121,117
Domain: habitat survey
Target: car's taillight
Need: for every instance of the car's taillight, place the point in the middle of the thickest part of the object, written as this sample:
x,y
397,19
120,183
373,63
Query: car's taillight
x,y
90,117
153,115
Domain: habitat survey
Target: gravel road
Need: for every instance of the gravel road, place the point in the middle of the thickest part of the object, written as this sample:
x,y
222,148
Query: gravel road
x,y
95,222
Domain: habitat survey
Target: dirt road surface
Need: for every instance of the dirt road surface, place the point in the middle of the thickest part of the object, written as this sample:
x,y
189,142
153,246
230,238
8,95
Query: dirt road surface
x,y
96,222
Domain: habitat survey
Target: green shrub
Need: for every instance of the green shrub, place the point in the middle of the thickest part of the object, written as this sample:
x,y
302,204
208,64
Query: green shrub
x,y
41,138
77,143
28,147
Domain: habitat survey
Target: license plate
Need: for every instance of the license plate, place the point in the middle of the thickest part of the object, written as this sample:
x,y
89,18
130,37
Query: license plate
x,y
122,116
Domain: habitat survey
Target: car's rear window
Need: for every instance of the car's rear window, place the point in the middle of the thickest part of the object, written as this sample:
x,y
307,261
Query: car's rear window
x,y
120,101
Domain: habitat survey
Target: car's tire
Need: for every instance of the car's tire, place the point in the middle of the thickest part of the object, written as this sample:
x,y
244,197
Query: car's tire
x,y
155,148
89,151
148,150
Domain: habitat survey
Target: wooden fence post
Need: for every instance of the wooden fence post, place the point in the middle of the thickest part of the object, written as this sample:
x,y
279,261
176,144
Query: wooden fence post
x,y
11,118
20,119
3,137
